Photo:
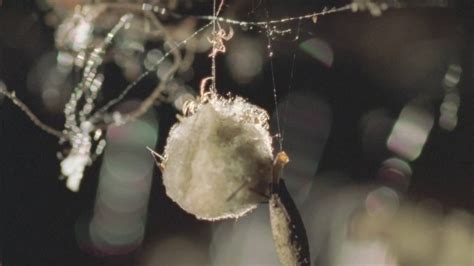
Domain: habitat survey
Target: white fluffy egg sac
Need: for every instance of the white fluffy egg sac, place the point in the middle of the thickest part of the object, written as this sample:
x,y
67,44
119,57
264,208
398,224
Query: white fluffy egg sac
x,y
219,159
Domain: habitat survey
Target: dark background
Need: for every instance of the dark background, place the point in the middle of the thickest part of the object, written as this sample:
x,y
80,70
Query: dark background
x,y
39,215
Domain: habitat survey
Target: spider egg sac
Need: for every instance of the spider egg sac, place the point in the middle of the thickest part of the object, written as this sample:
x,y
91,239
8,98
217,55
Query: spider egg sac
x,y
219,159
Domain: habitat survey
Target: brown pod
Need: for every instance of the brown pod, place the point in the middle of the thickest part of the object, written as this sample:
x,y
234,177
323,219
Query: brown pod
x,y
289,233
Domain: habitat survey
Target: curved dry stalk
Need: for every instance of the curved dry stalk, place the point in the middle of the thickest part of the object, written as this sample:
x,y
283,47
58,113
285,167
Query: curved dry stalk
x,y
174,50
23,107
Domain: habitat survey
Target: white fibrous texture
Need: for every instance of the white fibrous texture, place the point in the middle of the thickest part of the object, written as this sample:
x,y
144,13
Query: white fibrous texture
x,y
219,160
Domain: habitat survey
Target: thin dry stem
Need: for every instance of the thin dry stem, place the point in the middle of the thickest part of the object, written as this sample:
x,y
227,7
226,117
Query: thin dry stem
x,y
23,107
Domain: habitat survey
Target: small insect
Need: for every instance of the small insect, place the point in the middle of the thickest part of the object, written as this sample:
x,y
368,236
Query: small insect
x,y
289,233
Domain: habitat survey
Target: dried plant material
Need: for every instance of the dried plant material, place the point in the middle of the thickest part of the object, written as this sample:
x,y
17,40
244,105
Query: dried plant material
x,y
218,39
219,159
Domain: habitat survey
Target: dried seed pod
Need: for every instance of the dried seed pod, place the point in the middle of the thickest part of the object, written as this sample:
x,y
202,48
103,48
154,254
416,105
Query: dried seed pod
x,y
289,233
219,159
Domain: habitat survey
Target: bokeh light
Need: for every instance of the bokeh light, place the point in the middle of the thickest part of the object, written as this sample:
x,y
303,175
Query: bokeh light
x,y
246,242
320,50
382,200
307,122
385,190
176,250
50,80
410,132
396,173
244,59
118,223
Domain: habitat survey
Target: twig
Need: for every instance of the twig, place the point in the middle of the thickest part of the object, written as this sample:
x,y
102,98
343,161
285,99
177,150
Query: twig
x,y
29,113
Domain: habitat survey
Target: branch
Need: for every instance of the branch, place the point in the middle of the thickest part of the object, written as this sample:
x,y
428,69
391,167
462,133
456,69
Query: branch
x,y
23,107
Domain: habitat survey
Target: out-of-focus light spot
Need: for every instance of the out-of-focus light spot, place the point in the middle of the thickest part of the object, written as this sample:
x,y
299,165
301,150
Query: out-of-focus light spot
x,y
247,242
448,119
152,58
65,60
109,233
320,50
3,87
163,69
325,212
410,132
74,33
178,250
130,64
365,253
134,164
452,76
244,59
51,96
305,123
449,106
395,173
118,222
143,133
329,218
457,240
448,122
50,79
382,200
451,102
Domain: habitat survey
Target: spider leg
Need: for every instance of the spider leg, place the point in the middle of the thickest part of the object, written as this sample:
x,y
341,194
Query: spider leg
x,y
236,191
263,195
159,159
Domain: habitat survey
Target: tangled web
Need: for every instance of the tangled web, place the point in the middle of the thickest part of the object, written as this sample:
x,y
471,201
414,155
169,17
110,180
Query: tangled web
x,y
95,34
